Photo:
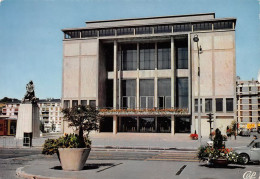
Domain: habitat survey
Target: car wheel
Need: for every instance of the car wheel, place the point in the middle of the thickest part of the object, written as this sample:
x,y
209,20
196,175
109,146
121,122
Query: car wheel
x,y
245,158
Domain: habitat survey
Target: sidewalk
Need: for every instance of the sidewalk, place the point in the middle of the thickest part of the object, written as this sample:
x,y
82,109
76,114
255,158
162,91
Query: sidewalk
x,y
100,169
146,141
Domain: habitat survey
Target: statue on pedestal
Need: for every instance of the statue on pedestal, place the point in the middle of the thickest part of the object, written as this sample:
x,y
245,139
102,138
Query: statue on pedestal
x,y
29,97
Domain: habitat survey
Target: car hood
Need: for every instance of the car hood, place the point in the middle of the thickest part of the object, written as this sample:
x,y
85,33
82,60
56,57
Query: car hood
x,y
241,148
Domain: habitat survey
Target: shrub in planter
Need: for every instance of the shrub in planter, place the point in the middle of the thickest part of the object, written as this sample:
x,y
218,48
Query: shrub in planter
x,y
73,149
218,154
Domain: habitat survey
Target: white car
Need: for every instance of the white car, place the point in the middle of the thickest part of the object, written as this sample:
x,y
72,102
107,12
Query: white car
x,y
250,152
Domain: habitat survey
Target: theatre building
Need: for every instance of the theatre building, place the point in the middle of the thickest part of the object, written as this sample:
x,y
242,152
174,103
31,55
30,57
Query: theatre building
x,y
142,73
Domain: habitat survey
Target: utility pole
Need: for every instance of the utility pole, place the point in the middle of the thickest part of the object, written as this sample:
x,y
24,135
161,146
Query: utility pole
x,y
210,121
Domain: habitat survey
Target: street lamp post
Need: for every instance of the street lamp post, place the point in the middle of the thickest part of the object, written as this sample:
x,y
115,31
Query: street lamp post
x,y
196,39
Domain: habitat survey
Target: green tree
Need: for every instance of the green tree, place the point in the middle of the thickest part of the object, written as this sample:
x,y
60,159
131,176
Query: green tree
x,y
83,118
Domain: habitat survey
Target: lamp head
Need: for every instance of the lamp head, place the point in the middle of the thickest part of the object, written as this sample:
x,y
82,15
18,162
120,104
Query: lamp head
x,y
196,38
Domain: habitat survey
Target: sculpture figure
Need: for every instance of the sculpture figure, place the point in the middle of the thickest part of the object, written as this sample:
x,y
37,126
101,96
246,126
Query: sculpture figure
x,y
30,95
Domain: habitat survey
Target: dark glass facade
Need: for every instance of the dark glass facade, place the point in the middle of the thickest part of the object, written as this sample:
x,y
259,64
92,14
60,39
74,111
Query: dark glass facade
x,y
146,94
182,100
164,55
164,93
129,57
229,105
129,94
219,105
147,56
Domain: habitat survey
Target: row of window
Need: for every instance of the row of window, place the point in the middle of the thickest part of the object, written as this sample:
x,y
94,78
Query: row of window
x,y
147,56
218,102
66,103
147,93
149,29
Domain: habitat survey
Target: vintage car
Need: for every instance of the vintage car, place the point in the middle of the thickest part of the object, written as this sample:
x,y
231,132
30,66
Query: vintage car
x,y
251,152
244,132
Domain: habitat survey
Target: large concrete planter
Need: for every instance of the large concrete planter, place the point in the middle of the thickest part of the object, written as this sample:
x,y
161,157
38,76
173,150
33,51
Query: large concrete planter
x,y
73,159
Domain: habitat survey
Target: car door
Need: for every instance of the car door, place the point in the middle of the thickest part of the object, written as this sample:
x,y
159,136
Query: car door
x,y
255,151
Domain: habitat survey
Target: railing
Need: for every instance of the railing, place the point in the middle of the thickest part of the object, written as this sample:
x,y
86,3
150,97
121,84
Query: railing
x,y
147,111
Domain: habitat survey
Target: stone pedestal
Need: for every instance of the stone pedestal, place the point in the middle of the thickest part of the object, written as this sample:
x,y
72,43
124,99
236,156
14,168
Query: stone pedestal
x,y
28,121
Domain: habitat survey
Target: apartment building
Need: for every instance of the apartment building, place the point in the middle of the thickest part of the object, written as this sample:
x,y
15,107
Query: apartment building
x,y
8,118
142,73
248,104
50,114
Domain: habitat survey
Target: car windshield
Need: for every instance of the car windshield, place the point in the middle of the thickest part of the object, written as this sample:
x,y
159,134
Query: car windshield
x,y
250,143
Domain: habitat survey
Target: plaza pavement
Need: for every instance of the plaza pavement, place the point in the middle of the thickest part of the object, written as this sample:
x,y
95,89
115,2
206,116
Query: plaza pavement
x,y
47,168
147,141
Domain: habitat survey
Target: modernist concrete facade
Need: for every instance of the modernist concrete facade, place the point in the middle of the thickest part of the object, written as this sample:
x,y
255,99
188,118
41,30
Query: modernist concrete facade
x,y
143,73
248,104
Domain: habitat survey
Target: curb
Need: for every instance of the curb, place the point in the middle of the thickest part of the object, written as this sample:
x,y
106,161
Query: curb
x,y
107,148
22,174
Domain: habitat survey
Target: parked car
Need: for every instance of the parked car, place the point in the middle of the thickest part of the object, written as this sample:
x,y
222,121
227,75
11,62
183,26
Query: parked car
x,y
244,132
250,152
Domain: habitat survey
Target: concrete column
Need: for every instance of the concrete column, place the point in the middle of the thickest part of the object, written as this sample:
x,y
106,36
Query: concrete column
x,y
138,80
119,123
115,77
114,124
155,79
172,74
138,124
156,124
190,74
172,125
155,90
224,105
119,82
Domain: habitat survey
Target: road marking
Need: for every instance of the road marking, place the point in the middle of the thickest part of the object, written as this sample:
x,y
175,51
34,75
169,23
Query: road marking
x,y
179,160
108,167
181,169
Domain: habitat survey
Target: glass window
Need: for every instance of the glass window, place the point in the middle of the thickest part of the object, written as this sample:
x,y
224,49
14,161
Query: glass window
x,y
129,57
164,124
202,26
72,34
74,103
163,29
128,93
88,33
106,32
125,31
128,124
223,25
92,103
147,93
181,27
83,102
164,55
164,93
196,105
66,103
147,55
208,105
229,104
182,57
147,124
182,93
143,30
219,104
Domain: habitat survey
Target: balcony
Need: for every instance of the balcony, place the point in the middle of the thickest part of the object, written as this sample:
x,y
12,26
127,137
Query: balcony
x,y
143,112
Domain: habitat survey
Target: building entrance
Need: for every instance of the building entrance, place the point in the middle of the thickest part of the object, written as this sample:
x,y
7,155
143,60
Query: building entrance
x,y
182,124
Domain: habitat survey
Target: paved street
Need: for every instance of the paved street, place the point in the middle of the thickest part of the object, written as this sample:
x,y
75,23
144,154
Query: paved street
x,y
119,164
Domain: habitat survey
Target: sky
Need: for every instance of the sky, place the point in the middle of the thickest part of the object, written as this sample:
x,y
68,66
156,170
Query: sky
x,y
31,36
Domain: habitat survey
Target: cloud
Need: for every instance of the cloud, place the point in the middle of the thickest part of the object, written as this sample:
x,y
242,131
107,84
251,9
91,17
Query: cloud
x,y
1,1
